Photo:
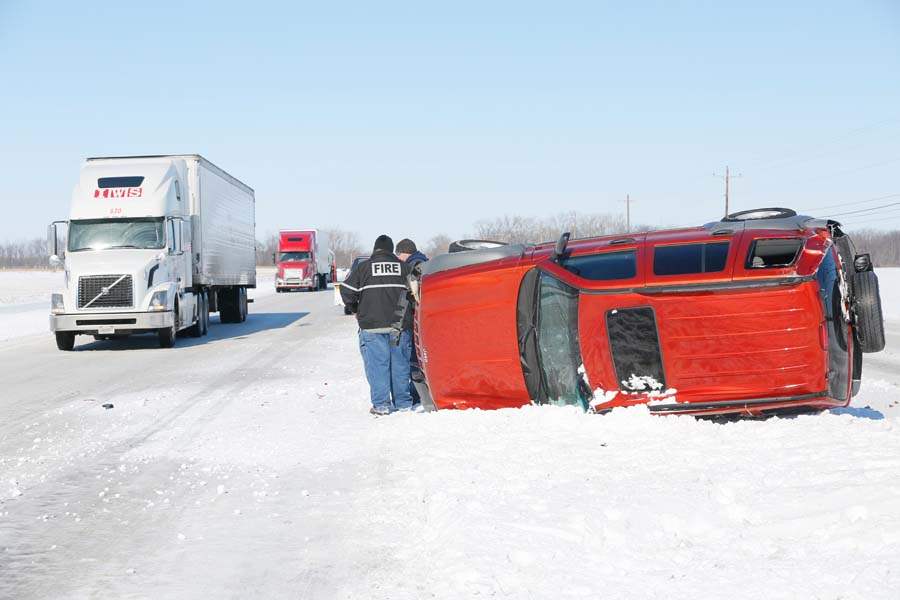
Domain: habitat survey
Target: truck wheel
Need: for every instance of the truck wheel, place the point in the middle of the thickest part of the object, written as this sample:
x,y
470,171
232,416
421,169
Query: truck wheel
x,y
196,330
167,334
244,306
205,312
323,282
869,319
166,337
65,340
229,305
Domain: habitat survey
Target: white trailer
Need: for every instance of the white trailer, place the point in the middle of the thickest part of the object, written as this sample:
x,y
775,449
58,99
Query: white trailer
x,y
154,244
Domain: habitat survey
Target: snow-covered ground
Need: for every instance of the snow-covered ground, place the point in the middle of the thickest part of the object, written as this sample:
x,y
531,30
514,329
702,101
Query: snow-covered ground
x,y
25,299
246,465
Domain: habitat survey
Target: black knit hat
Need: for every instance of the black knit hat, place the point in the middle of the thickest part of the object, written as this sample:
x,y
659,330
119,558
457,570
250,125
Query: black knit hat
x,y
406,246
383,243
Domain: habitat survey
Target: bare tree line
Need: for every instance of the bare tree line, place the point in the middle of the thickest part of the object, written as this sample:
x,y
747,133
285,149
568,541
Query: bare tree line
x,y
517,229
884,246
28,254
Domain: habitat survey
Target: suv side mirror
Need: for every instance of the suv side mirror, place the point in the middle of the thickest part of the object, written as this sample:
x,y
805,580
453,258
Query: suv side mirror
x,y
559,252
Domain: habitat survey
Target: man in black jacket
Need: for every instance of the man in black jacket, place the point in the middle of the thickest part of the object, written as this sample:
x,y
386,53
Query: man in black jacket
x,y
376,290
410,254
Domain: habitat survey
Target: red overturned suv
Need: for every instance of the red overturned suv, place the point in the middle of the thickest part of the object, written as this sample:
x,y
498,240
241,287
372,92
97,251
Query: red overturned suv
x,y
764,312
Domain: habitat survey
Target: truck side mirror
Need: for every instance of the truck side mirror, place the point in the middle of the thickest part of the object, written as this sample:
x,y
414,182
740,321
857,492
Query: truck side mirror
x,y
274,260
179,237
52,243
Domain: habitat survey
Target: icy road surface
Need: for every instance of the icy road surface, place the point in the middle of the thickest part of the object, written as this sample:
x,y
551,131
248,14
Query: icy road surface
x,y
245,465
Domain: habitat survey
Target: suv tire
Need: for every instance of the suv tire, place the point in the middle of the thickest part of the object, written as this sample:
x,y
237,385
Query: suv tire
x,y
867,305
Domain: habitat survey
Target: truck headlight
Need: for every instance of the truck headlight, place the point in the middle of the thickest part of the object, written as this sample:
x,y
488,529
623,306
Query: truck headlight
x,y
57,305
159,300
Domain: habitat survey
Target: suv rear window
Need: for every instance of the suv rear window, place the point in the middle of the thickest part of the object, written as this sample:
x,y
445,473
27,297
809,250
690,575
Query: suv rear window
x,y
690,258
768,254
603,267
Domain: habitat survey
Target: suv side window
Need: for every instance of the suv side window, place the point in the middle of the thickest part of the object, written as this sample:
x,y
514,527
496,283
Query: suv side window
x,y
769,254
682,259
603,267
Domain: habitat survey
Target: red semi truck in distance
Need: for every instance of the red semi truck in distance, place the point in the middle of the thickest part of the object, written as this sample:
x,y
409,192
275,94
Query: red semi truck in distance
x,y
304,260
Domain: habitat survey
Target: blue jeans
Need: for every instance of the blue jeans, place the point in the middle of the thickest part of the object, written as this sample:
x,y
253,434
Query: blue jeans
x,y
387,369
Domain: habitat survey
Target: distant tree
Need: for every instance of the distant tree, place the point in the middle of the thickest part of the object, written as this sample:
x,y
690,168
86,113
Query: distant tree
x,y
24,254
439,244
266,249
884,246
345,245
517,229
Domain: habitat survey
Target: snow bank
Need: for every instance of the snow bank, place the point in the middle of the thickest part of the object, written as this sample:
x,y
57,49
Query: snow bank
x,y
28,287
277,482
889,284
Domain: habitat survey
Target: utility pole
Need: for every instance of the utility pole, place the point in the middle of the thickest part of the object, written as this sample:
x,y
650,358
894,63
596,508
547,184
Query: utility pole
x,y
627,213
728,177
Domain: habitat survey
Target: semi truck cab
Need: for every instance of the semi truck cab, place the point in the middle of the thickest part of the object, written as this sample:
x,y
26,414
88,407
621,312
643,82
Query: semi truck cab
x,y
133,255
304,260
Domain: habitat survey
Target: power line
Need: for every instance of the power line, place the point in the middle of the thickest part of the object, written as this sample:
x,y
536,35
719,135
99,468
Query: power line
x,y
802,159
863,210
868,222
827,142
842,204
875,216
845,171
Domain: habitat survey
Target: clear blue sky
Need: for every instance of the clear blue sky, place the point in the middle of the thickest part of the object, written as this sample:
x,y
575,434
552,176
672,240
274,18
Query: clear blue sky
x,y
415,119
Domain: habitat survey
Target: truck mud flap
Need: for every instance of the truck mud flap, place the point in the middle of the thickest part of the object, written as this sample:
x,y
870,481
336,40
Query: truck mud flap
x,y
634,345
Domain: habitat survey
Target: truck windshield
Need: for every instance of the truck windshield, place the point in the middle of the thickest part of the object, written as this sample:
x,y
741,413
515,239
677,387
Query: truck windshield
x,y
100,234
557,341
292,256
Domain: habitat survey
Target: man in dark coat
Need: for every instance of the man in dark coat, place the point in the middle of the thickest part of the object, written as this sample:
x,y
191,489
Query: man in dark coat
x,y
408,253
377,291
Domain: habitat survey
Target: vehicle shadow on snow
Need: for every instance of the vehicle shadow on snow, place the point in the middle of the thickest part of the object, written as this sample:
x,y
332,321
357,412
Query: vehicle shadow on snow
x,y
255,323
860,412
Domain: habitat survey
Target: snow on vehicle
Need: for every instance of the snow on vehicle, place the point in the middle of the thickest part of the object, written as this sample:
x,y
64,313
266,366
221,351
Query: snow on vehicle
x,y
304,260
763,312
155,243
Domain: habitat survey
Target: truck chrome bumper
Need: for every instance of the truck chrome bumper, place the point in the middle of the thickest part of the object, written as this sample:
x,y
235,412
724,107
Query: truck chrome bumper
x,y
131,322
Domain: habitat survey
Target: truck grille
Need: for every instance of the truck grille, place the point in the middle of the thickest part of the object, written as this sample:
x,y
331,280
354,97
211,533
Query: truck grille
x,y
293,275
120,295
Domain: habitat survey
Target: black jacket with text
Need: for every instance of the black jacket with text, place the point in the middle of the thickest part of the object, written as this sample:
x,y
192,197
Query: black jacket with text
x,y
376,290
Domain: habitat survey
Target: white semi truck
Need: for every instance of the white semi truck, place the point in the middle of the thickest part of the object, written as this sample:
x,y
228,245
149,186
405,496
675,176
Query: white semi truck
x,y
154,244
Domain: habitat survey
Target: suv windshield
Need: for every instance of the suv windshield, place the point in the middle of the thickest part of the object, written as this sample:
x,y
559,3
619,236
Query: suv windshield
x,y
100,234
292,256
547,328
